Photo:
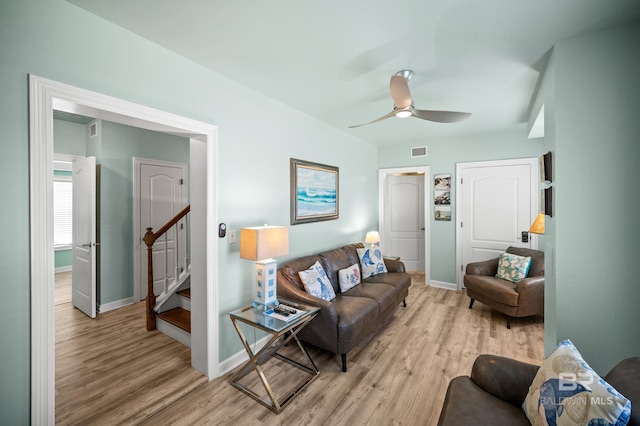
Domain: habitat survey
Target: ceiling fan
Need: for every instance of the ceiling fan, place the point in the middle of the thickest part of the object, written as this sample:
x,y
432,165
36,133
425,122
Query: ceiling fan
x,y
403,105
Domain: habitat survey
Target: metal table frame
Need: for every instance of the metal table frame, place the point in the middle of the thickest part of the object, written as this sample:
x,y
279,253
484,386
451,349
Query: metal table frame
x,y
282,332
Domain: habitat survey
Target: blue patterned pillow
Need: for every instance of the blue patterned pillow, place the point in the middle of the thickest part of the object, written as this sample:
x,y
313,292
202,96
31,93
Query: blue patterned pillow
x,y
512,267
316,282
567,392
349,277
371,261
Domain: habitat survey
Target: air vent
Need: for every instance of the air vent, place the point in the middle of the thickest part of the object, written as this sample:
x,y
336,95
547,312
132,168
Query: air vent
x,y
93,129
418,151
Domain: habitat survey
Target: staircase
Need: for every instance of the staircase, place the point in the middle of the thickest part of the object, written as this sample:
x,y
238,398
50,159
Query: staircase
x,y
175,322
169,312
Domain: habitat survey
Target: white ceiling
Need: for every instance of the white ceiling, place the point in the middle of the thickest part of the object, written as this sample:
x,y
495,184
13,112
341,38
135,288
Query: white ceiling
x,y
333,59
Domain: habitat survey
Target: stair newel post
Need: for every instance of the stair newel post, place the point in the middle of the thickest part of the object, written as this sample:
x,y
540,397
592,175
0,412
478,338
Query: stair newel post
x,y
149,239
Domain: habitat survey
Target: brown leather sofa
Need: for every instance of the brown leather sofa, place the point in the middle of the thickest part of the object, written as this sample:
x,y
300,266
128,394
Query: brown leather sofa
x,y
348,319
497,387
526,298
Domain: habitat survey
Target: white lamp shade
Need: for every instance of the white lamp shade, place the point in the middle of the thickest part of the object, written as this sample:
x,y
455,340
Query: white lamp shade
x,y
372,237
264,242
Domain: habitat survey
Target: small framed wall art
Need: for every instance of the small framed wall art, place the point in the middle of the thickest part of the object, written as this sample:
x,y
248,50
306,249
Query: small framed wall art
x,y
314,192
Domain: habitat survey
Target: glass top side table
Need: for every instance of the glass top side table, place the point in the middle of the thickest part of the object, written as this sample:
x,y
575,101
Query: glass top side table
x,y
282,332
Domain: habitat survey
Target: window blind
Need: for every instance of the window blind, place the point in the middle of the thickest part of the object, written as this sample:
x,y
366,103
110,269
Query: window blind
x,y
62,213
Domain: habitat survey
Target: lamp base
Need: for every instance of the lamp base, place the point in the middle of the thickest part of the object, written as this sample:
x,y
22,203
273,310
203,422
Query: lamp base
x,y
265,283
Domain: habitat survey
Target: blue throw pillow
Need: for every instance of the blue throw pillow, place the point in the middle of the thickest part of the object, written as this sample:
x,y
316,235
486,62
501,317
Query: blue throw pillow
x,y
512,267
371,261
566,391
316,282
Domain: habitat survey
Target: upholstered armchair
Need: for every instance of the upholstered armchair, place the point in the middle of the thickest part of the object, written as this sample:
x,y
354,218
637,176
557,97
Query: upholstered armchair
x,y
514,299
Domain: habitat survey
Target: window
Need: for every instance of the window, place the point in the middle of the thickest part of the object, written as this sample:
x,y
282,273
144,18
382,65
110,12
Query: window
x,y
62,210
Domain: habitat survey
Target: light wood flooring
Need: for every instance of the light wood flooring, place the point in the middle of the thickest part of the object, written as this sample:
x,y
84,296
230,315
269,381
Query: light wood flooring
x,y
399,377
111,370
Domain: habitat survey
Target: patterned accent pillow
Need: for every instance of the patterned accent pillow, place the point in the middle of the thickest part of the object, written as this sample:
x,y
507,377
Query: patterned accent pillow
x,y
316,282
371,261
566,391
512,267
349,277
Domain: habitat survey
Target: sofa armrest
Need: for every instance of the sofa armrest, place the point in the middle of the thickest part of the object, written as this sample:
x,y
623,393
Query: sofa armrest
x,y
531,299
487,267
504,378
394,265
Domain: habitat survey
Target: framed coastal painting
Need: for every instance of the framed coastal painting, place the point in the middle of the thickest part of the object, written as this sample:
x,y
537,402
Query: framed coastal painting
x,y
314,192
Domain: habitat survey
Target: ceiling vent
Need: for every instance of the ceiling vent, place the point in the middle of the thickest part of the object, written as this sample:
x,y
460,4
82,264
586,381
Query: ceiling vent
x,y
93,129
418,151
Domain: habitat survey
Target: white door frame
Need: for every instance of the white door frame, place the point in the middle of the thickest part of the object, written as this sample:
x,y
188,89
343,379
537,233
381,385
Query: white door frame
x,y
138,232
46,95
535,196
426,170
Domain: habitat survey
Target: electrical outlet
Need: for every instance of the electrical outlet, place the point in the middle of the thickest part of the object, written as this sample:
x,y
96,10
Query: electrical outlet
x,y
232,236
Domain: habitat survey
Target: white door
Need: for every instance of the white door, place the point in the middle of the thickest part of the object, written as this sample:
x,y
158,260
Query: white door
x,y
83,281
497,202
162,195
403,228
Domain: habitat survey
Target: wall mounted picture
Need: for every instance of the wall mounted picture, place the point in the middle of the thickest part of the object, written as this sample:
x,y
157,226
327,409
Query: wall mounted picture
x,y
442,181
546,174
314,192
443,213
441,197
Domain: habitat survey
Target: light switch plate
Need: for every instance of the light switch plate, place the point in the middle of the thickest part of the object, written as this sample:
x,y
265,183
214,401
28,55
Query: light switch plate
x,y
232,236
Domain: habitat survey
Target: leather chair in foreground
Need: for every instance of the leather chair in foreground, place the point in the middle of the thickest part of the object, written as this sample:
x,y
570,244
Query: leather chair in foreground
x,y
522,299
494,393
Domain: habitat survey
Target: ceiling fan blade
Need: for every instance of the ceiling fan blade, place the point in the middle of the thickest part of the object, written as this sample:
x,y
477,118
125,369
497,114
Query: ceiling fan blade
x,y
400,92
391,114
440,116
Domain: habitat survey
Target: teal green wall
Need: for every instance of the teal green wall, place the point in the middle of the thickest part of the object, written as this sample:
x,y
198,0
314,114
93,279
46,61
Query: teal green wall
x,y
119,145
443,154
62,258
255,145
594,231
69,138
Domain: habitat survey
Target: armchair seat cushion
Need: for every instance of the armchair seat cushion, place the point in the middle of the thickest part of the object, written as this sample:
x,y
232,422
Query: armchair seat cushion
x,y
493,288
463,406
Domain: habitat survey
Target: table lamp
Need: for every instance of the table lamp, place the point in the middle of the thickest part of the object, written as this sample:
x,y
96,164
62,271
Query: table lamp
x,y
372,237
262,244
537,227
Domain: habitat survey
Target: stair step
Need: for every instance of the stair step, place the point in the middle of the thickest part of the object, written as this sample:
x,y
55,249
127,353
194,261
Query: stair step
x,y
179,317
186,293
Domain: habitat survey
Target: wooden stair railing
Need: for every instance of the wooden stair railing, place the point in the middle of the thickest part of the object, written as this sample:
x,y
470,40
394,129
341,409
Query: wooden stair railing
x,y
150,238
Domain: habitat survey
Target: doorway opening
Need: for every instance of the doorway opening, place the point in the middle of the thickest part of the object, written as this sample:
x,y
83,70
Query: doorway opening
x,y
405,232
45,96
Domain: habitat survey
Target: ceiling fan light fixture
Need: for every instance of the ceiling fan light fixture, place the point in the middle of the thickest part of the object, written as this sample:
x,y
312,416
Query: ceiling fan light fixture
x,y
403,114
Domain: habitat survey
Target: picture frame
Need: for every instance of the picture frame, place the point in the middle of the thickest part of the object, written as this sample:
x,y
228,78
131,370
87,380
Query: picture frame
x,y
442,181
314,192
442,213
442,197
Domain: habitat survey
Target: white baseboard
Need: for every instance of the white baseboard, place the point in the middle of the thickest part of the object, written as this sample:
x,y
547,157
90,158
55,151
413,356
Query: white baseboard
x,y
63,269
442,284
239,357
106,307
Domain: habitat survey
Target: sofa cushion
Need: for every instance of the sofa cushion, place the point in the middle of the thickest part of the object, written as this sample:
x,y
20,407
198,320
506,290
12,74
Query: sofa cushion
x,y
316,282
349,277
332,262
400,282
566,391
357,317
371,261
512,267
292,268
495,289
383,294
